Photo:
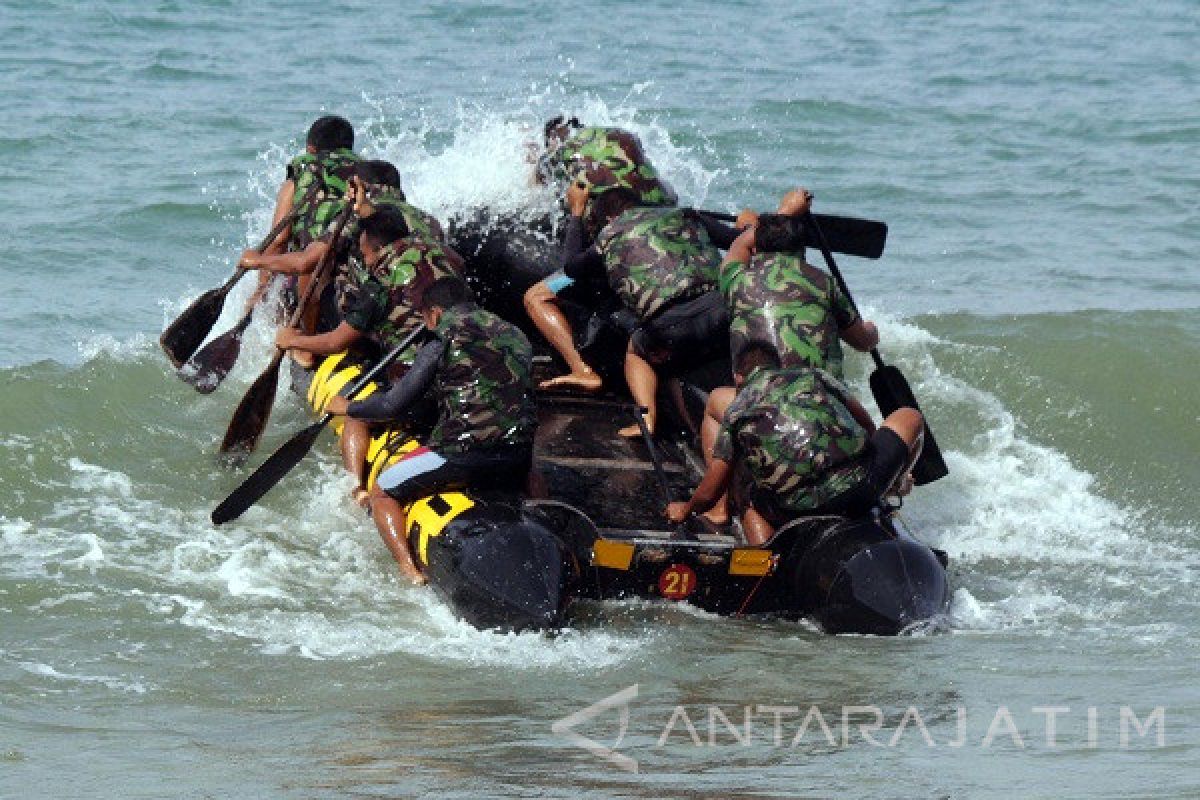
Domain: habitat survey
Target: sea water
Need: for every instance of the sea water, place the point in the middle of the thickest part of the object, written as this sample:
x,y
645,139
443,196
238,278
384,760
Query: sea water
x,y
1036,164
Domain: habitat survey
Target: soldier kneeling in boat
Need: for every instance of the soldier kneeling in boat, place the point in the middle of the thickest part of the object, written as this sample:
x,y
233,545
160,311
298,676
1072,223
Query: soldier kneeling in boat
x,y
479,368
795,442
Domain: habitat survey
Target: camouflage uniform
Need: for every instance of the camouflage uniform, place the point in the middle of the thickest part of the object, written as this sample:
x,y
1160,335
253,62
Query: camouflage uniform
x,y
655,257
420,223
484,383
790,435
382,301
614,149
792,308
313,219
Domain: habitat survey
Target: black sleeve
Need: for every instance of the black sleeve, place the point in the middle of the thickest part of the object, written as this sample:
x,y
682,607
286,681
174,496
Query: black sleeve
x,y
389,405
578,262
722,235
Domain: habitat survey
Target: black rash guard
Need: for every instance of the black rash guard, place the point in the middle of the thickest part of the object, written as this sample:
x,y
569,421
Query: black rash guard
x,y
388,405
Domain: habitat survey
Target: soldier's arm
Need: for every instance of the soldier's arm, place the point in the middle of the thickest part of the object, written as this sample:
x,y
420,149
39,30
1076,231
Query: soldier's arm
x,y
712,486
860,414
334,341
388,405
741,249
301,262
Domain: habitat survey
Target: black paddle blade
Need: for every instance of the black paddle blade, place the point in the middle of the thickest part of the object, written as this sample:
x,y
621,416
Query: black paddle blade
x,y
184,336
205,371
892,391
251,416
263,479
854,237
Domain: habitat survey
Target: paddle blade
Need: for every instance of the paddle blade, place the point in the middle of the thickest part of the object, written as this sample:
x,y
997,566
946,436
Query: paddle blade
x,y
854,237
183,336
263,479
251,416
891,391
205,371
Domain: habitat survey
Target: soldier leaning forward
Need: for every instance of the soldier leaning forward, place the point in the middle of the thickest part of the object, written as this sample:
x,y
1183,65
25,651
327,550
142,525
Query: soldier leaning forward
x,y
478,368
571,149
778,301
796,442
314,189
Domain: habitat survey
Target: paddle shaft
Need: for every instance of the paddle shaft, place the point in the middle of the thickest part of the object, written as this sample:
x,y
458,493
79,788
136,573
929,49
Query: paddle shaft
x,y
887,382
291,452
819,235
856,237
284,221
659,472
253,412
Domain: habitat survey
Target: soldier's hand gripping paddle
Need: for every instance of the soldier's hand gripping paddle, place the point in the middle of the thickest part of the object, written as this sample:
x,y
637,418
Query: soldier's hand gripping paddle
x,y
864,238
293,451
888,384
183,336
250,417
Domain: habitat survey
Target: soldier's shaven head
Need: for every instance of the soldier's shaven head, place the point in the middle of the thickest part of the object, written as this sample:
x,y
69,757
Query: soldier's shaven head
x,y
778,233
445,293
559,128
383,227
756,356
378,173
330,133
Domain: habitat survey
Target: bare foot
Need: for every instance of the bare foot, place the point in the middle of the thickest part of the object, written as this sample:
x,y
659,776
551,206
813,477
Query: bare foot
x,y
416,578
587,381
635,431
361,497
717,517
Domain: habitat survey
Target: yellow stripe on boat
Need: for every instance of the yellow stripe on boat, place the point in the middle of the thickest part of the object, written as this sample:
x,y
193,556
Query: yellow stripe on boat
x,y
428,517
614,555
751,561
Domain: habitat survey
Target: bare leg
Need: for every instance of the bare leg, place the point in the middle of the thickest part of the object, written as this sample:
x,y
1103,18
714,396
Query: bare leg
x,y
714,414
389,518
909,425
356,438
757,529
643,385
549,319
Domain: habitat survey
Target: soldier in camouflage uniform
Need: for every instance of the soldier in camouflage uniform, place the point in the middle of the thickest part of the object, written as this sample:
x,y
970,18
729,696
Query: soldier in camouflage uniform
x,y
326,166
379,303
572,149
796,442
777,300
663,267
479,368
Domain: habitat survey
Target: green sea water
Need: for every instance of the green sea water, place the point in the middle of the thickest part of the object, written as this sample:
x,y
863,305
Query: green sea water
x,y
1036,166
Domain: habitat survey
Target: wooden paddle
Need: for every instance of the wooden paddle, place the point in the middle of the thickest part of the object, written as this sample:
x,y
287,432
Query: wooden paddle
x,y
189,330
854,237
251,416
888,384
205,370
293,451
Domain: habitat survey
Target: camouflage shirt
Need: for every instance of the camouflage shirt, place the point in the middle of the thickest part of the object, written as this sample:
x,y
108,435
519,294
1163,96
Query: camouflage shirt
x,y
791,434
381,301
617,150
484,383
333,169
419,222
655,256
790,307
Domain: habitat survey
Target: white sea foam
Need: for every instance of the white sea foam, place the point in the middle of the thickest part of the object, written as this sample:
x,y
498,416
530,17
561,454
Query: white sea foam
x,y
114,683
